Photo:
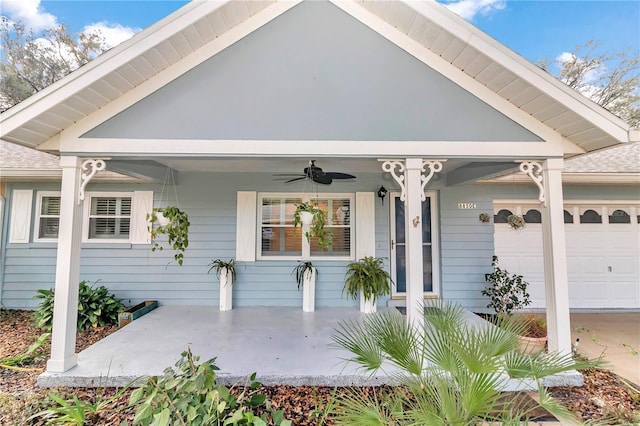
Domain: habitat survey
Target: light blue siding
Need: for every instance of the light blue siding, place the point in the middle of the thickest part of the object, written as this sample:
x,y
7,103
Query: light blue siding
x,y
314,73
134,273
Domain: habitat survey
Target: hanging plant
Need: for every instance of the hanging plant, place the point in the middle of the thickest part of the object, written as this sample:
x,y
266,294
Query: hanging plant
x,y
516,221
176,229
317,227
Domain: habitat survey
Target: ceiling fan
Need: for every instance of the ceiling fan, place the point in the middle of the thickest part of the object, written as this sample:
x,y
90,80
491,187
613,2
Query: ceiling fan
x,y
317,175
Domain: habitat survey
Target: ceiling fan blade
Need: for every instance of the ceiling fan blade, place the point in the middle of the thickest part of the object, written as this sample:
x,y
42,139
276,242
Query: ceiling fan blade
x,y
295,179
322,179
337,175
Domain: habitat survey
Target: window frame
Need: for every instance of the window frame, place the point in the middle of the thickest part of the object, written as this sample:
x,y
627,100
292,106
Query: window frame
x,y
36,226
86,216
305,252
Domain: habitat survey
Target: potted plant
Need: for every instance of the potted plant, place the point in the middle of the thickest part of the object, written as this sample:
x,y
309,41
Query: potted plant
x,y
507,294
516,221
306,275
367,279
532,338
226,273
174,223
313,220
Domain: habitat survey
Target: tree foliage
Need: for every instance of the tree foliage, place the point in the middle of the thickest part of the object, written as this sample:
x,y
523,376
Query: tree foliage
x,y
32,61
612,80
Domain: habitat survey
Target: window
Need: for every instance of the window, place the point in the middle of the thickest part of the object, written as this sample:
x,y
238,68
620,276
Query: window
x,y
619,216
501,216
47,216
278,239
568,217
590,216
533,216
109,218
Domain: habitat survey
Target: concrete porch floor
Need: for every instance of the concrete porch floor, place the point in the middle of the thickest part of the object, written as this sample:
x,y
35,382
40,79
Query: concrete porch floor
x,y
282,345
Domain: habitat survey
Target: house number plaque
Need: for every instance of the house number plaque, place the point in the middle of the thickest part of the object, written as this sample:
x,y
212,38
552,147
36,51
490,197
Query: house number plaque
x,y
467,206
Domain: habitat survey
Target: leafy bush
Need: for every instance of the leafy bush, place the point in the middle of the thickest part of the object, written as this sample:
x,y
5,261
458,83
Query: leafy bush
x,y
189,395
96,308
507,292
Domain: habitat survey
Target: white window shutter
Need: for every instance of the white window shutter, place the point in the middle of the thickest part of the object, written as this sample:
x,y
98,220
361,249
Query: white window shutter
x,y
365,225
142,204
246,226
21,203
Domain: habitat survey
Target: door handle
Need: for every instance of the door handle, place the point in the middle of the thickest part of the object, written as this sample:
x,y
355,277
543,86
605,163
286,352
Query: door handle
x,y
393,244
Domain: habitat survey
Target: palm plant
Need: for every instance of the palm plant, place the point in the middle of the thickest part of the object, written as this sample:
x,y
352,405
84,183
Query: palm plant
x,y
450,372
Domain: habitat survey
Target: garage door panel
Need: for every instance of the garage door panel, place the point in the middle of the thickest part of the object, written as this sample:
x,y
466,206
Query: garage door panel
x,y
603,261
623,265
586,292
625,293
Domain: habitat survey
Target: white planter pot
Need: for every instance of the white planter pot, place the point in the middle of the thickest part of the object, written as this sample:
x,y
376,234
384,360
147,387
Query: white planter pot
x,y
162,221
306,218
309,291
367,306
226,287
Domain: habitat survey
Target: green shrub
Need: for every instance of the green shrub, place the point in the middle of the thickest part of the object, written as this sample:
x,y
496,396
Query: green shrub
x,y
76,411
96,307
449,372
189,395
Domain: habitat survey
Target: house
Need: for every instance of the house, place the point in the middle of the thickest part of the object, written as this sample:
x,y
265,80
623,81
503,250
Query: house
x,y
210,105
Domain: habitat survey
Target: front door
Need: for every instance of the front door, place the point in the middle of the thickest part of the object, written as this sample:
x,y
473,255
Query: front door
x,y
429,246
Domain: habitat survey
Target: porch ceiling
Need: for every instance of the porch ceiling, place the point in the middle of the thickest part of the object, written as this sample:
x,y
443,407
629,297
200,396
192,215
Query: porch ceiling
x,y
437,31
456,171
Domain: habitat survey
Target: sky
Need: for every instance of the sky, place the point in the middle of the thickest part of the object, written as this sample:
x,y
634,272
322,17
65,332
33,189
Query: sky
x,y
535,29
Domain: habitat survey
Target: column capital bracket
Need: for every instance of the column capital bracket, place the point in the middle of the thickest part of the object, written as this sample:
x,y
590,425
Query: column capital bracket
x,y
533,169
397,169
95,165
434,167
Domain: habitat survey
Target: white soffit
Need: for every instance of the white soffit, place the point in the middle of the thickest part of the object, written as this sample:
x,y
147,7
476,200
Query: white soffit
x,y
428,23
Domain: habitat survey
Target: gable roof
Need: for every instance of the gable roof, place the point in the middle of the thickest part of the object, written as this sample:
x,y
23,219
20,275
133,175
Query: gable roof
x,y
427,27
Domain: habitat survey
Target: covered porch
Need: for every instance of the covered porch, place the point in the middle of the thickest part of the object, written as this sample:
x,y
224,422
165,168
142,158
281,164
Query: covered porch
x,y
283,345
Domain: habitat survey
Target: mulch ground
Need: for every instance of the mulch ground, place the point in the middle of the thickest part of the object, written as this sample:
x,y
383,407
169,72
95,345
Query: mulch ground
x,y
603,396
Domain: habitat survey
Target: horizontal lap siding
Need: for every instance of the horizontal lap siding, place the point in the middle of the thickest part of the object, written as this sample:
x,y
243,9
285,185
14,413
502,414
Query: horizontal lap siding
x,y
466,245
134,273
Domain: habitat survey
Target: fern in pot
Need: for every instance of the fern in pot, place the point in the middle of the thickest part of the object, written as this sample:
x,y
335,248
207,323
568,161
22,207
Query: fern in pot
x,y
367,279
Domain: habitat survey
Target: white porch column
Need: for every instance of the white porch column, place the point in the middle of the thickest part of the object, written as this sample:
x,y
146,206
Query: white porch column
x,y
555,259
413,240
65,312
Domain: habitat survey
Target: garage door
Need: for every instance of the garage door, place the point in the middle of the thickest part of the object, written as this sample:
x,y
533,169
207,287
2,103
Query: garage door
x,y
603,252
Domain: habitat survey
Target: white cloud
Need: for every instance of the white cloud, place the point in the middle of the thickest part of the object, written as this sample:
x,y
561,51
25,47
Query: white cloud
x,y
29,12
113,34
468,9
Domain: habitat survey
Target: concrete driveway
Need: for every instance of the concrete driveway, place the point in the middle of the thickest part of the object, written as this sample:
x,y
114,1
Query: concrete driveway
x,y
613,336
